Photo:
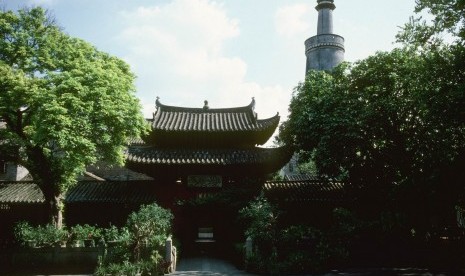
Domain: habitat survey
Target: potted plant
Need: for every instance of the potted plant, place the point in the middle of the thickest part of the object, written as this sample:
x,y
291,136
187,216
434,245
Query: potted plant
x,y
25,234
93,235
78,235
111,235
61,236
49,235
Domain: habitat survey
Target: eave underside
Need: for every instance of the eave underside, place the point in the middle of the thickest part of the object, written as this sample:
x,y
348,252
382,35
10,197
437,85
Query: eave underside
x,y
152,160
198,139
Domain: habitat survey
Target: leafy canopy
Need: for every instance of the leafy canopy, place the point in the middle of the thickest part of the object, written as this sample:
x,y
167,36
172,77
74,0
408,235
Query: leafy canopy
x,y
65,103
447,18
395,121
393,115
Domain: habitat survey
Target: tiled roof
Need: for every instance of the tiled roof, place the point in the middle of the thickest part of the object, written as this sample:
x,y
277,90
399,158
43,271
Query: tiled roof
x,y
182,119
113,173
84,191
300,177
136,141
305,191
111,192
153,155
20,192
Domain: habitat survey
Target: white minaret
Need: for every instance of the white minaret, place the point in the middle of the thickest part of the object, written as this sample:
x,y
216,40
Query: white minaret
x,y
325,50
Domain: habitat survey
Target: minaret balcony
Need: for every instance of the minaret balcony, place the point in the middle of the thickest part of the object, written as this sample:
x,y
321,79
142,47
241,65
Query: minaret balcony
x,y
325,4
324,40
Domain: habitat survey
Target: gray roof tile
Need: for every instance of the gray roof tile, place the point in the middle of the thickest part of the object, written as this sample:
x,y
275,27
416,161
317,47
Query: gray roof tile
x,y
182,119
20,192
112,192
306,191
154,155
84,191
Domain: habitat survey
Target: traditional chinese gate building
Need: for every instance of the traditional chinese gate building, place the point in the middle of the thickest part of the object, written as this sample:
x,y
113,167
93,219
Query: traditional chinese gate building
x,y
204,157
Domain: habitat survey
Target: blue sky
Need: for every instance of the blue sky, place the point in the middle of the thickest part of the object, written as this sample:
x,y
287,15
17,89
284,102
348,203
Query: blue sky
x,y
223,51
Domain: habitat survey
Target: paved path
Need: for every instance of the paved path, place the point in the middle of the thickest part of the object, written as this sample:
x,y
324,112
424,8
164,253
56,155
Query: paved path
x,y
203,266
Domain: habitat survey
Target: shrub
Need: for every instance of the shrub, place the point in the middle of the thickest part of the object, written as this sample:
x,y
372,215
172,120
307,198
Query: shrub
x,y
296,248
118,269
85,232
111,234
151,223
39,236
49,235
24,233
142,238
149,228
262,220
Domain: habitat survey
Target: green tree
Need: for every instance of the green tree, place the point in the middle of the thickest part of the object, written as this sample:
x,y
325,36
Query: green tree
x,y
65,104
448,17
393,123
262,220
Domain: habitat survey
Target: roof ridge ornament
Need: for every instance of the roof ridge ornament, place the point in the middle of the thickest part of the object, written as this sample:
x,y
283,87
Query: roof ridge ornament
x,y
252,104
205,105
157,102
252,110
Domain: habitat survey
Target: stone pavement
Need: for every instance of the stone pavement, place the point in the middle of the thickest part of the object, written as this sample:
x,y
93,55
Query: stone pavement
x,y
207,266
204,266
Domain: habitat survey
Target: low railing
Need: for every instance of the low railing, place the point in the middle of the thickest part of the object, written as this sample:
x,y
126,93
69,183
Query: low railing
x,y
22,258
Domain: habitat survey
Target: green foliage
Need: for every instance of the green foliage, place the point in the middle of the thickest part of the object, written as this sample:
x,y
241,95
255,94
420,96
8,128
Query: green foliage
x,y
127,268
448,16
228,201
315,249
118,269
307,167
262,219
49,235
299,248
392,122
65,103
392,125
151,224
276,176
40,236
115,234
85,232
141,240
24,232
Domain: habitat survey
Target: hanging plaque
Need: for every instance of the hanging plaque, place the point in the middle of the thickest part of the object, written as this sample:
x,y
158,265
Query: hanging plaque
x,y
205,181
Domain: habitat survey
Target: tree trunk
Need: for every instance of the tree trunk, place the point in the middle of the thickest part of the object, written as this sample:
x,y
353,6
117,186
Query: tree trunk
x,y
54,207
56,211
42,172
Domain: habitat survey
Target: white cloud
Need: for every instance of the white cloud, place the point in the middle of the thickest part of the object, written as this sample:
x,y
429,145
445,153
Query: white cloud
x,y
177,52
292,20
182,39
